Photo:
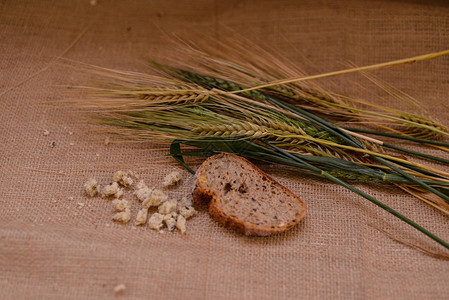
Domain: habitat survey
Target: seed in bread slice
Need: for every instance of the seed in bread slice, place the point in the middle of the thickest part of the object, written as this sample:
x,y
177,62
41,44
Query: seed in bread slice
x,y
244,198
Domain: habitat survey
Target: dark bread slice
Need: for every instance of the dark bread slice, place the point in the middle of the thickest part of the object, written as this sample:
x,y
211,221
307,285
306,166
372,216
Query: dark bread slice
x,y
244,198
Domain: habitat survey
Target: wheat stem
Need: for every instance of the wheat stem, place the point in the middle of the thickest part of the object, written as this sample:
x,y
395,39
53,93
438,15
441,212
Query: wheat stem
x,y
363,194
362,150
399,136
347,71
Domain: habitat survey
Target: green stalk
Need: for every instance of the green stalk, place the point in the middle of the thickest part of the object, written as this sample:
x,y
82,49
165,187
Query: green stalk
x,y
428,156
413,179
366,196
398,136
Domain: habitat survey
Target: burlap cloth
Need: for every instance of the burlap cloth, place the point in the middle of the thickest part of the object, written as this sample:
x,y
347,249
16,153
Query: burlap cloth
x,y
52,248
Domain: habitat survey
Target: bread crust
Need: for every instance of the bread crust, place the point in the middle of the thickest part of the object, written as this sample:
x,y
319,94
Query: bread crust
x,y
202,194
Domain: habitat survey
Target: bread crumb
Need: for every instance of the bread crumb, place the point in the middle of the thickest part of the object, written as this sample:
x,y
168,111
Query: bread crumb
x,y
53,201
118,176
127,181
155,221
121,287
142,216
124,178
181,224
123,216
185,208
172,179
91,187
111,190
121,205
80,205
155,199
141,185
158,197
170,221
187,211
167,207
119,193
70,199
107,141
71,143
142,194
46,132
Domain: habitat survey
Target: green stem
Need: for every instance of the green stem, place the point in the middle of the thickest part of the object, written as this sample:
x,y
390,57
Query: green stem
x,y
410,177
413,179
435,158
366,196
398,136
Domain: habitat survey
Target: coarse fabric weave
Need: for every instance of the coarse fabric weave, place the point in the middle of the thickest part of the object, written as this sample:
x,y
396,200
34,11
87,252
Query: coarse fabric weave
x,y
56,247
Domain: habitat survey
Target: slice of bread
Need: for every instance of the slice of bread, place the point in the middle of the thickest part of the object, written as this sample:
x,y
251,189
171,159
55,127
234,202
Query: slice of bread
x,y
244,198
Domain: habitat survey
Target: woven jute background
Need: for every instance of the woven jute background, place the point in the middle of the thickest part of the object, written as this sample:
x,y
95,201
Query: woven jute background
x,y
51,248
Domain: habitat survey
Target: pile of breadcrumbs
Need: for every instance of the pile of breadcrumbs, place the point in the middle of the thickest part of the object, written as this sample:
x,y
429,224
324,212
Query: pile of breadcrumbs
x,y
170,214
